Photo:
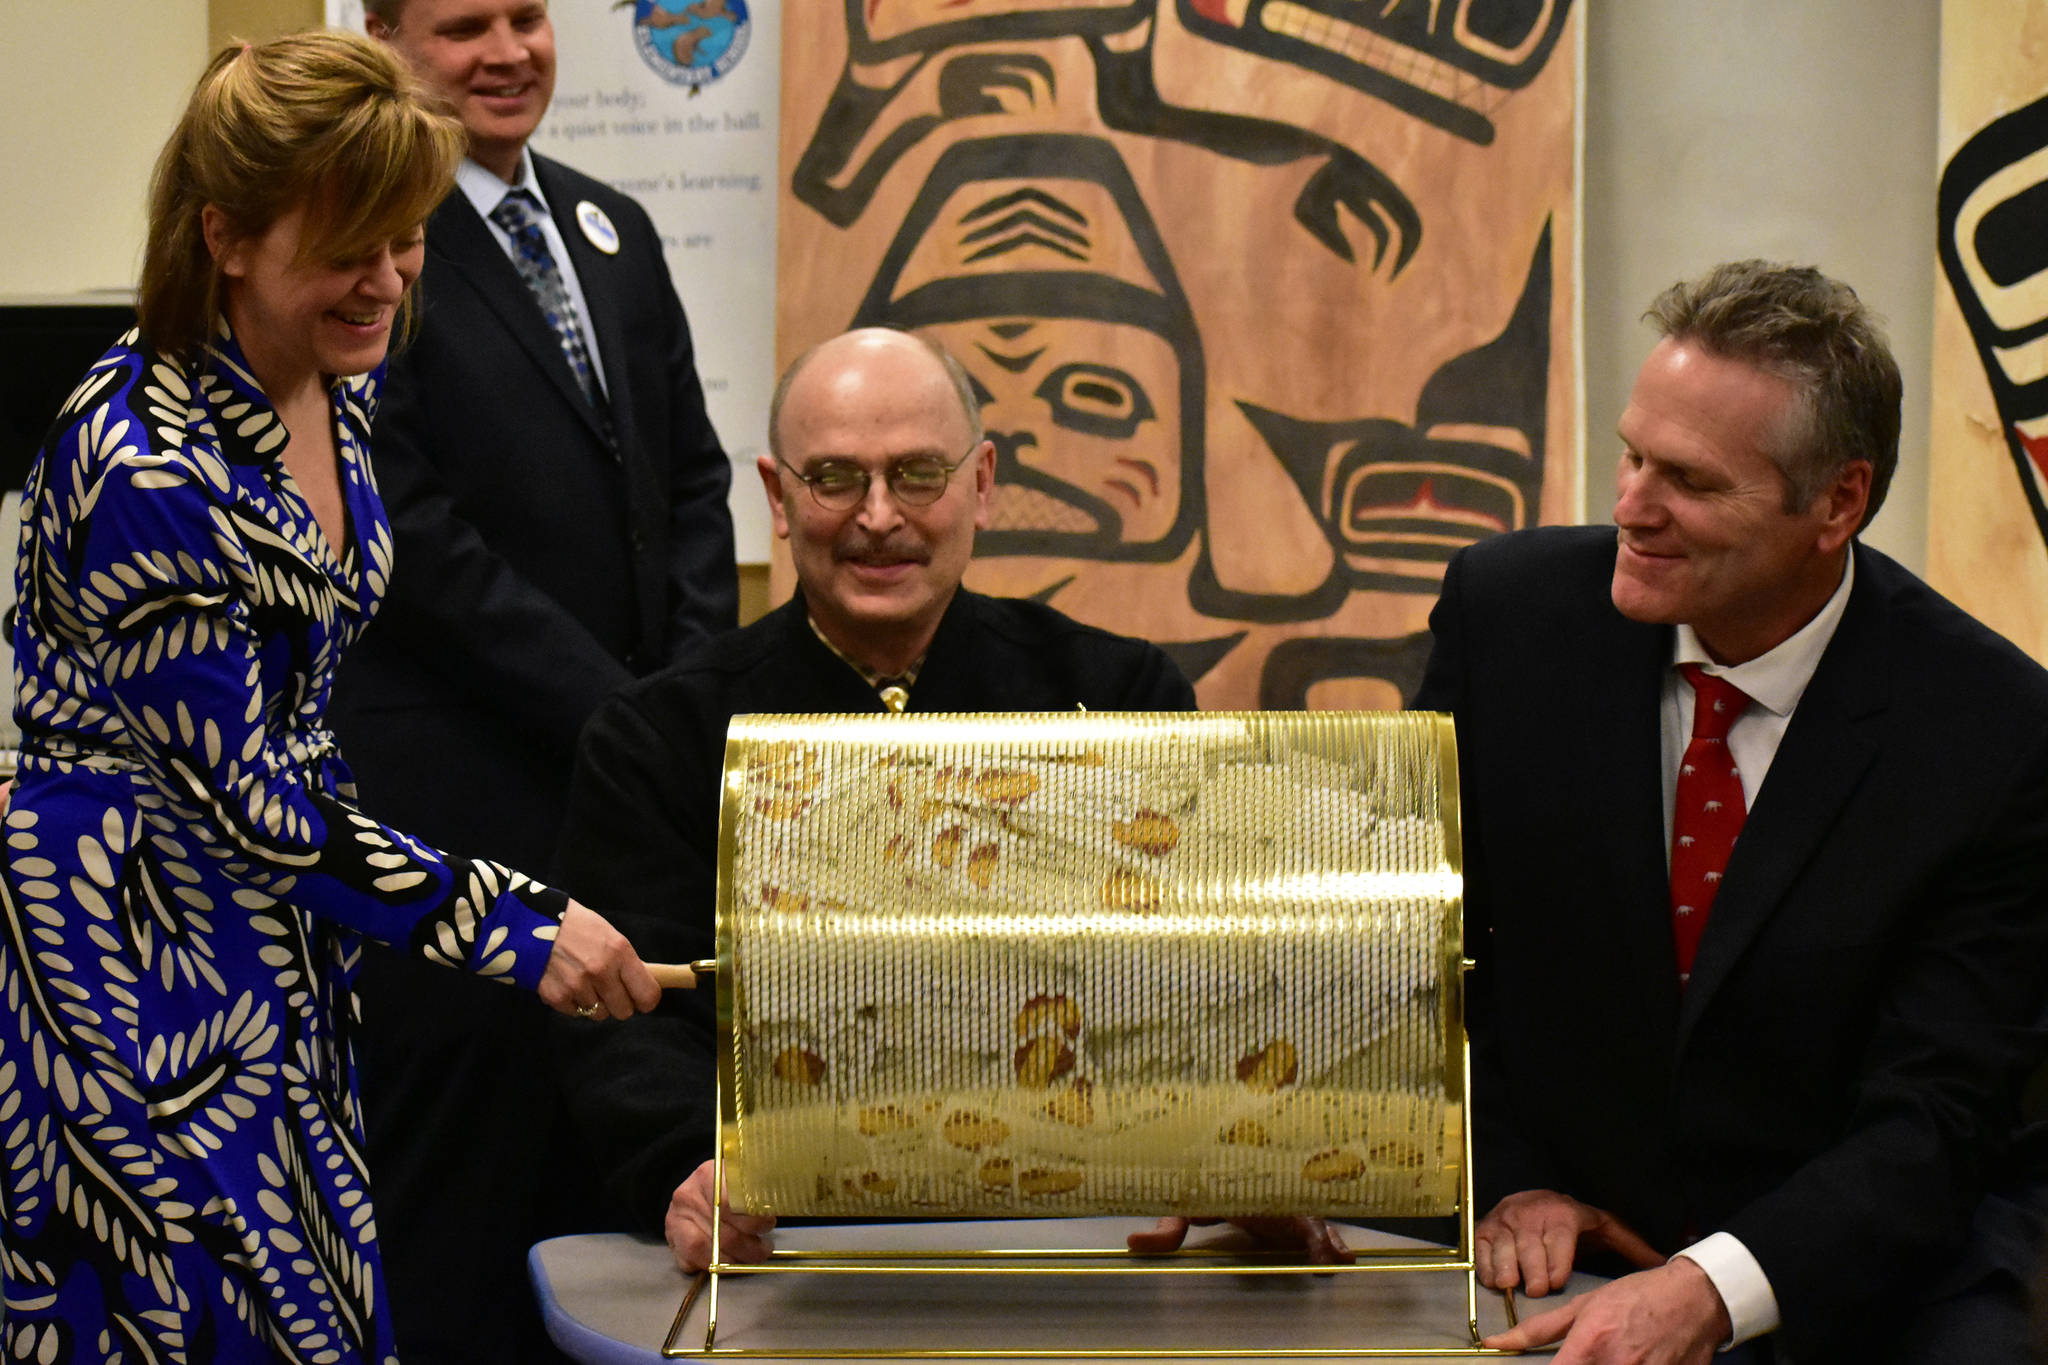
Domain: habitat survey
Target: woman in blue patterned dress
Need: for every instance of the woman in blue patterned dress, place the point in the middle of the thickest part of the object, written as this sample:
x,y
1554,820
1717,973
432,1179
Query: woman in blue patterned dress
x,y
187,878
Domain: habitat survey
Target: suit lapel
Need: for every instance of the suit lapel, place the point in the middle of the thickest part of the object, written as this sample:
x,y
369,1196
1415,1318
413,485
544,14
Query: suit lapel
x,y
1624,728
606,279
1826,750
598,274
461,242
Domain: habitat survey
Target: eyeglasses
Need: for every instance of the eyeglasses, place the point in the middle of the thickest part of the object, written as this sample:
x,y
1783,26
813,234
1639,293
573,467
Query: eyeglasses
x,y
837,485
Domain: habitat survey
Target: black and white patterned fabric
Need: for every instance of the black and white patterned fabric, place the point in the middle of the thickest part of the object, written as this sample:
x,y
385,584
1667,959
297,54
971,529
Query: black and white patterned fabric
x,y
187,882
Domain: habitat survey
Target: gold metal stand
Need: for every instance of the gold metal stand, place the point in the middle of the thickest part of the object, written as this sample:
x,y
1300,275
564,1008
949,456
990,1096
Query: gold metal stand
x,y
1034,1262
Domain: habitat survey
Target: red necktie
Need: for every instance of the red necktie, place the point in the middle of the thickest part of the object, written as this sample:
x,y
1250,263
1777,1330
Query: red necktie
x,y
1707,813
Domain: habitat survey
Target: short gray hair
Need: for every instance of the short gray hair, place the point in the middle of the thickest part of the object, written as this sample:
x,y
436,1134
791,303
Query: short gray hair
x,y
956,375
1813,332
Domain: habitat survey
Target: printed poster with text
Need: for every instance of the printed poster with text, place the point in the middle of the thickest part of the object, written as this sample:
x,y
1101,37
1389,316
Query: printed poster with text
x,y
1987,512
675,105
1271,304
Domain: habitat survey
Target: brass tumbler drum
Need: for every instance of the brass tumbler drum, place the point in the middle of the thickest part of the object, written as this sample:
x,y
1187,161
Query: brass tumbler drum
x,y
1009,965
1074,964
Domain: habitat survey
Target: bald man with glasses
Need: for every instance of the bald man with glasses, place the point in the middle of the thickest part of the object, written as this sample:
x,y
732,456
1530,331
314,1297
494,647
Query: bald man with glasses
x,y
869,485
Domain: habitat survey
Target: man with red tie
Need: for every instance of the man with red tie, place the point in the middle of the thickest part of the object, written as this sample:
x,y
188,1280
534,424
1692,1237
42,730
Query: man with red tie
x,y
1756,841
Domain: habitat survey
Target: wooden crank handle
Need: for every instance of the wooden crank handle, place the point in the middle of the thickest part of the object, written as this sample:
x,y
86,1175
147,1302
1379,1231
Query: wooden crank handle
x,y
674,976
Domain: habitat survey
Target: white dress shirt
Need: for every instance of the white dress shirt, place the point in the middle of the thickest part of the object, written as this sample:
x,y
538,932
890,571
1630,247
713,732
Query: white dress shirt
x,y
1774,681
484,190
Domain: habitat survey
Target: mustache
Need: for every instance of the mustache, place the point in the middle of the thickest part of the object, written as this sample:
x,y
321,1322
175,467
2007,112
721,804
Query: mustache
x,y
857,546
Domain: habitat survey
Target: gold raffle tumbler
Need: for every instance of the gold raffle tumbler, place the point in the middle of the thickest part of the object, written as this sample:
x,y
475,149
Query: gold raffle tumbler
x,y
1074,964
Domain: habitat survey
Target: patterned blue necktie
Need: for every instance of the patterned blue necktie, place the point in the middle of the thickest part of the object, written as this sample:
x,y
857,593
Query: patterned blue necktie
x,y
519,213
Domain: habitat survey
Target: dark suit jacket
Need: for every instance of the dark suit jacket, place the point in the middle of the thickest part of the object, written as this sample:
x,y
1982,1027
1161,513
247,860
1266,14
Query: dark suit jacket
x,y
1837,1085
537,568
642,833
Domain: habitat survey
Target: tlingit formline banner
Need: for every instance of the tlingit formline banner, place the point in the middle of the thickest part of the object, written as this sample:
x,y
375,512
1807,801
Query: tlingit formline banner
x,y
1987,522
1272,304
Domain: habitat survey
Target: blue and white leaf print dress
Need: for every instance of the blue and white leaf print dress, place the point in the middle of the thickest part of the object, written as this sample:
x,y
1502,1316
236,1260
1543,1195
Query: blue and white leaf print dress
x,y
187,882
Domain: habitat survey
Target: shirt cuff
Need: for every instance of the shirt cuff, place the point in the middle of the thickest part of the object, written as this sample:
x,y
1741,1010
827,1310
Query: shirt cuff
x,y
1740,1282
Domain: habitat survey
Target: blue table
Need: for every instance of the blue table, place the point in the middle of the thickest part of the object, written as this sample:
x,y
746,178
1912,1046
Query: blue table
x,y
610,1299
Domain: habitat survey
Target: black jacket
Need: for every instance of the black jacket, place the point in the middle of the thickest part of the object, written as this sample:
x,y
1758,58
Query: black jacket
x,y
1836,1085
537,567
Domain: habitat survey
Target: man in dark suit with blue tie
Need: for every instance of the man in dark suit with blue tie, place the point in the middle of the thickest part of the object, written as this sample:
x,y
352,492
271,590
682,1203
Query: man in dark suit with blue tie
x,y
558,502
1756,841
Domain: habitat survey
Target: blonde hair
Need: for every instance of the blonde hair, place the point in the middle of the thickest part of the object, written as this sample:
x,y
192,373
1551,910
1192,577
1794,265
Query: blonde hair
x,y
329,121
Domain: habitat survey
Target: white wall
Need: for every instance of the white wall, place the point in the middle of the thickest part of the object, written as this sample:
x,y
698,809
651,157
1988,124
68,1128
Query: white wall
x,y
88,93
1739,128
